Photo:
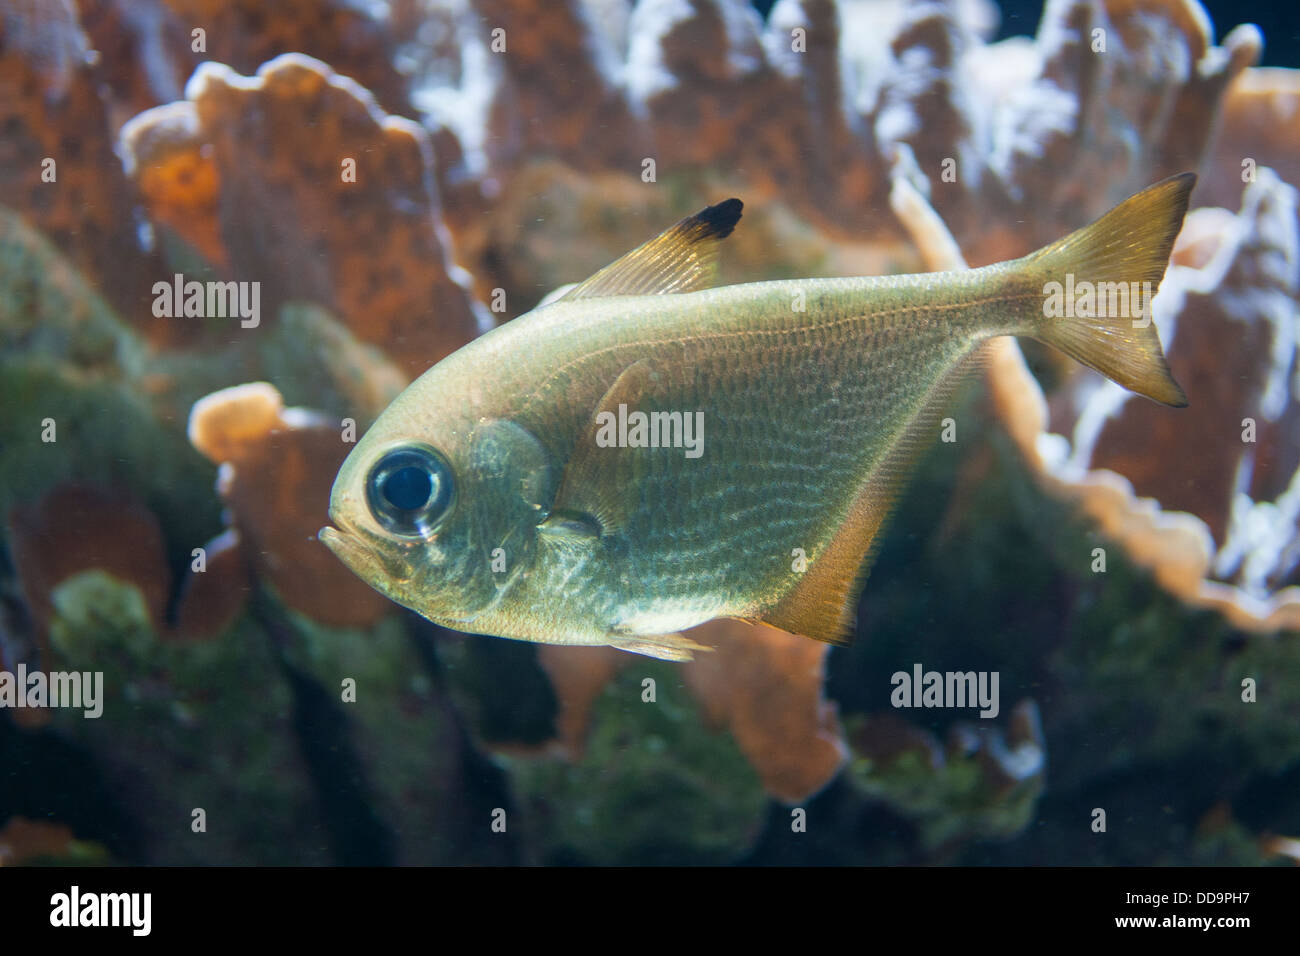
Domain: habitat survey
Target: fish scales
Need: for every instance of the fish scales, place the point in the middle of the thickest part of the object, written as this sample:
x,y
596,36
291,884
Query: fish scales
x,y
805,400
796,407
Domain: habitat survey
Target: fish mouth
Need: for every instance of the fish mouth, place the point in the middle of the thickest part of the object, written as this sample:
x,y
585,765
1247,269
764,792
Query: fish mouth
x,y
364,553
342,543
346,541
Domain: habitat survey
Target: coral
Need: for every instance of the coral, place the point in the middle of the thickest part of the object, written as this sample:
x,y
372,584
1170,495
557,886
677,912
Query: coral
x,y
272,460
579,676
765,687
150,47
762,685
399,739
1144,703
707,803
319,196
26,842
865,138
167,705
1259,127
1241,282
48,310
76,527
1000,136
210,602
58,167
980,785
1239,451
179,184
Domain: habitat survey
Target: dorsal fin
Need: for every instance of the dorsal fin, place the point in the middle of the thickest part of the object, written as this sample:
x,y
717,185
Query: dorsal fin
x,y
824,602
682,258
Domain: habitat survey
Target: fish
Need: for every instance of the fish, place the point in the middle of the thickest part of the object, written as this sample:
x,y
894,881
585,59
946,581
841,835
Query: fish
x,y
647,451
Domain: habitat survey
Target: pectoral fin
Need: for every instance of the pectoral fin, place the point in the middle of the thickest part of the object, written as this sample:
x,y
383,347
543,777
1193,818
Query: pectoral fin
x,y
570,527
597,480
680,259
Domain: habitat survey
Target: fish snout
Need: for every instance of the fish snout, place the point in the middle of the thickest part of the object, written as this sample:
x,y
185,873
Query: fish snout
x,y
339,542
371,557
344,539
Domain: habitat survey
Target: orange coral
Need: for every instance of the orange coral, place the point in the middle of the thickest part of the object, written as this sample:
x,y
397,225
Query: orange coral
x,y
277,466
178,181
320,196
578,674
765,686
58,166
761,684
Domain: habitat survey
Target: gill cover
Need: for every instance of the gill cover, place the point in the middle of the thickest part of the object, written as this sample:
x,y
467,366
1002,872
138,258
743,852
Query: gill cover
x,y
509,487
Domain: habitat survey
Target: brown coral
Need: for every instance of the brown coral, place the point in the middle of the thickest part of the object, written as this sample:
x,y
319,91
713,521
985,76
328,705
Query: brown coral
x,y
320,196
1260,127
277,466
77,527
150,47
1224,535
23,841
58,167
211,601
761,684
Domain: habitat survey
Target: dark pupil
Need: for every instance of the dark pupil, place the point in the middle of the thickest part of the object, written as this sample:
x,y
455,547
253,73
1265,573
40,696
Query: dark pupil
x,y
409,491
408,488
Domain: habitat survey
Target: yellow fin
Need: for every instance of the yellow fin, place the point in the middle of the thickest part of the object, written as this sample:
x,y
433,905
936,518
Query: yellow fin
x,y
1128,246
680,259
823,602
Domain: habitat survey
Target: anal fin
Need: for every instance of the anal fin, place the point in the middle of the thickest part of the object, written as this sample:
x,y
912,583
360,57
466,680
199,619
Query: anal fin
x,y
823,603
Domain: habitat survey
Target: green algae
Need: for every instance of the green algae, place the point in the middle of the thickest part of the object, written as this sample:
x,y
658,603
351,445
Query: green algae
x,y
653,785
188,726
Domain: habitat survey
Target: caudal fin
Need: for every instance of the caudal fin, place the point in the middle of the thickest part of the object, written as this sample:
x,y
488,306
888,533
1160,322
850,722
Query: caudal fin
x,y
1097,283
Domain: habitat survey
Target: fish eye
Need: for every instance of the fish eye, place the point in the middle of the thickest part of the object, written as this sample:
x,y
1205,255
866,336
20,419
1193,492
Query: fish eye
x,y
409,490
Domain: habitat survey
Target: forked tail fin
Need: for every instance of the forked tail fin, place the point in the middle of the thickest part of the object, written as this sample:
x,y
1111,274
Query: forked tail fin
x,y
1097,283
